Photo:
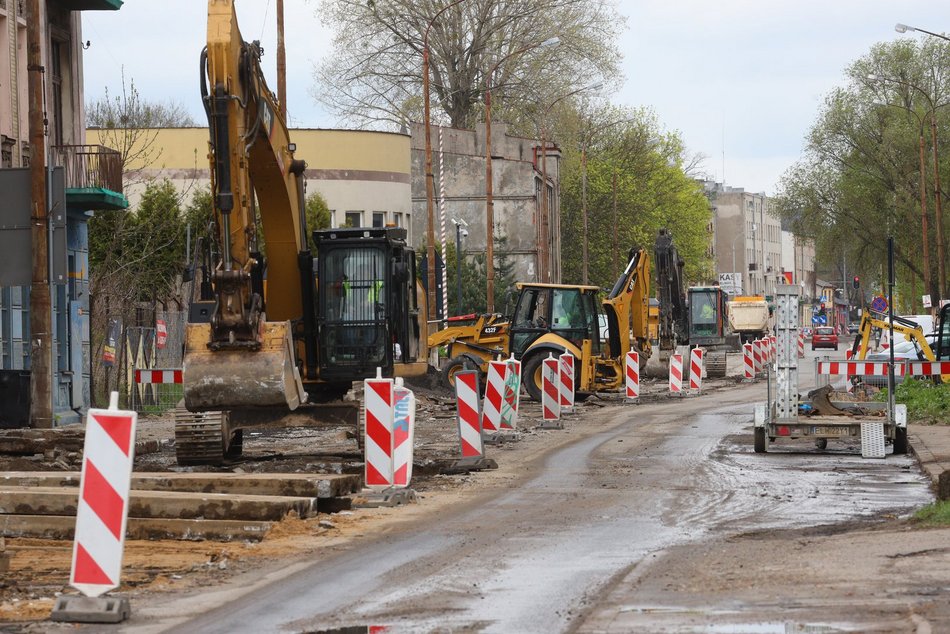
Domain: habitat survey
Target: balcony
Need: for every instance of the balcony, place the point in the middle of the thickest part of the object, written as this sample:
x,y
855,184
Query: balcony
x,y
93,176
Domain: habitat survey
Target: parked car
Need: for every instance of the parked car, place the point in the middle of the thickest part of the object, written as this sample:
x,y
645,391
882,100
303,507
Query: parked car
x,y
903,351
824,337
853,328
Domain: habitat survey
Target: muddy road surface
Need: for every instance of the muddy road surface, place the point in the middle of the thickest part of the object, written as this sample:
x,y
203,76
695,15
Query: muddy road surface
x,y
646,521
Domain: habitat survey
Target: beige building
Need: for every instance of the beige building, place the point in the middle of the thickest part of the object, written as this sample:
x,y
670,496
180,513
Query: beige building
x,y
363,175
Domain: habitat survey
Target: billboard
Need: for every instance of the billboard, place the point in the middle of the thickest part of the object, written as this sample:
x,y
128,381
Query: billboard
x,y
731,283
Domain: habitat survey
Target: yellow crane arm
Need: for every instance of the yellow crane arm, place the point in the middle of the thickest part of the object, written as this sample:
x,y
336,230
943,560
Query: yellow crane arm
x,y
627,307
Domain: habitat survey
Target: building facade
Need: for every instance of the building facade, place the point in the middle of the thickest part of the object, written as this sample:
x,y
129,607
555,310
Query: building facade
x,y
459,174
81,179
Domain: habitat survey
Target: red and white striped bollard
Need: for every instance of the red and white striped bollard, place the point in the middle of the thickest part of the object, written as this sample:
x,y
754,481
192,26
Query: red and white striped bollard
x,y
566,382
632,373
676,373
469,418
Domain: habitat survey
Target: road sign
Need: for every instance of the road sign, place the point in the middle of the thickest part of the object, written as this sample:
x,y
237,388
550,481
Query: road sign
x,y
879,304
161,334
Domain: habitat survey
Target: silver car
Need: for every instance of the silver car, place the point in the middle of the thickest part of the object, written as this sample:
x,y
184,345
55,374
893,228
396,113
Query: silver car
x,y
903,351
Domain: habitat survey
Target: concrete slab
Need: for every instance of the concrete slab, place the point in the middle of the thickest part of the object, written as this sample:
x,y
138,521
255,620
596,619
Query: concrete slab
x,y
29,500
63,527
315,485
79,609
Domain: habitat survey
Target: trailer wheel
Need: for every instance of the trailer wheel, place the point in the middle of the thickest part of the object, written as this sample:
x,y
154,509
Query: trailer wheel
x,y
900,441
760,440
456,365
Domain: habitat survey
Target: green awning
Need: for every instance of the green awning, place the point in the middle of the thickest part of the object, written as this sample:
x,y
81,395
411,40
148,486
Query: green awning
x,y
95,198
91,5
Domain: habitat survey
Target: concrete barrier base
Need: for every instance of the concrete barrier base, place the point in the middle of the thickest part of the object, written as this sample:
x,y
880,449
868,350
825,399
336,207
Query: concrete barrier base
x,y
79,609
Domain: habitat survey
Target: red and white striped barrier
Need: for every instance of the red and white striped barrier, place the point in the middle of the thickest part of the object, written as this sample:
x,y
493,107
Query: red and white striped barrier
x,y
773,348
879,368
404,435
696,369
379,414
632,373
748,362
848,386
801,345
494,395
927,368
566,381
102,510
512,395
676,373
469,419
757,355
167,375
550,394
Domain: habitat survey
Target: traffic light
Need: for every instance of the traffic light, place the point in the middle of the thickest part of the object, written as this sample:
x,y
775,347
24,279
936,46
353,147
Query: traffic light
x,y
856,282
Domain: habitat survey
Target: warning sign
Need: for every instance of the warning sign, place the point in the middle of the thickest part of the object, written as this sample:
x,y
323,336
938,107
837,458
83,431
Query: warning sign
x,y
161,334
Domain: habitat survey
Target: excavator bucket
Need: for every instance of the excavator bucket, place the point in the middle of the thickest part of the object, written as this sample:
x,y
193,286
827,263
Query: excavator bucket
x,y
241,379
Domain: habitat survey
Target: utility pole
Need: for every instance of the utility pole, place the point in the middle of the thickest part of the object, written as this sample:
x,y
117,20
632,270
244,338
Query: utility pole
x,y
281,63
41,320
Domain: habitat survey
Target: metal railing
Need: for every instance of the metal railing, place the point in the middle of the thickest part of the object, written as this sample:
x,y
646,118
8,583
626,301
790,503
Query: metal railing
x,y
90,166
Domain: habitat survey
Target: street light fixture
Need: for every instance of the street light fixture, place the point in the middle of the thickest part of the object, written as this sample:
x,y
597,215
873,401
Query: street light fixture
x,y
430,187
903,28
489,186
544,269
459,234
941,265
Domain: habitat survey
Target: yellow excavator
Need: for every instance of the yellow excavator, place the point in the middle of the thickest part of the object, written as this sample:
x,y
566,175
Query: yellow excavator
x,y
906,327
558,318
277,326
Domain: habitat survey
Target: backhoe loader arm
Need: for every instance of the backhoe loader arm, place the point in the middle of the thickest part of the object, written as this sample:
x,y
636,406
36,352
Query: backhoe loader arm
x,y
674,317
627,307
903,326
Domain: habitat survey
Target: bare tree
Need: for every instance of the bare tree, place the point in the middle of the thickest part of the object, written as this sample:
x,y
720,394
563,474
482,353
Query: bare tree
x,y
128,124
375,73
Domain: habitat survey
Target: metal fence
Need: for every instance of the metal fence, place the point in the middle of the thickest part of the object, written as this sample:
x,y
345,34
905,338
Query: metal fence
x,y
142,352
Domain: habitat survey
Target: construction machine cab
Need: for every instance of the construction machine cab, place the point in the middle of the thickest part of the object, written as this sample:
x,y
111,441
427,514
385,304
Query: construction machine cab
x,y
567,311
707,314
366,312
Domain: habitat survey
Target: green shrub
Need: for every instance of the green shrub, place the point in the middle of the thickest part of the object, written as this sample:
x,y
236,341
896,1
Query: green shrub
x,y
926,403
936,514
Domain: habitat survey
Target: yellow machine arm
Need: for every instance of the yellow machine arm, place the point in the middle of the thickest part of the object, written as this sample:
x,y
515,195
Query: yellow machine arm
x,y
904,327
240,359
627,308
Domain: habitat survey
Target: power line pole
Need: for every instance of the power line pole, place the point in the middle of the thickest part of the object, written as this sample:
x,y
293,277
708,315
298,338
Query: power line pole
x,y
41,320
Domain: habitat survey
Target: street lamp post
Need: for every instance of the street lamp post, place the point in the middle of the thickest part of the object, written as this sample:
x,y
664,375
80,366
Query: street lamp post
x,y
938,198
903,28
430,186
923,194
489,185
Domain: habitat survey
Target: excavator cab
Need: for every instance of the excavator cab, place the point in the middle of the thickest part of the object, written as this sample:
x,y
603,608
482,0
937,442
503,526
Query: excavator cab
x,y
568,312
367,312
706,314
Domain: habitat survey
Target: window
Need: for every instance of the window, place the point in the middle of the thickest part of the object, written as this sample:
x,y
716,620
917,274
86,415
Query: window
x,y
353,219
397,219
379,219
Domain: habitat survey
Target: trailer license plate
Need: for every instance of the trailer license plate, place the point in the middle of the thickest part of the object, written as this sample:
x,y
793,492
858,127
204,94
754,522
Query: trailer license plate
x,y
831,430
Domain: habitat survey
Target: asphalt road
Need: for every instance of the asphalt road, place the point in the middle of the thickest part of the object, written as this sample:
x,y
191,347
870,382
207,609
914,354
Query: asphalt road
x,y
543,553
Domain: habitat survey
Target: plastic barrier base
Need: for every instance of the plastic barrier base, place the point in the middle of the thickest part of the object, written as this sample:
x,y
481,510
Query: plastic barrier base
x,y
368,499
78,609
464,465
551,424
500,437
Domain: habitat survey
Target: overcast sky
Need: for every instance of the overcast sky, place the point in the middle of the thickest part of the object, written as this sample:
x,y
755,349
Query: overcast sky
x,y
741,80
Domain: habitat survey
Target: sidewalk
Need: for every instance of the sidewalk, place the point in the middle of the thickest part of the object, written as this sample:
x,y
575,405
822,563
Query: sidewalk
x,y
931,445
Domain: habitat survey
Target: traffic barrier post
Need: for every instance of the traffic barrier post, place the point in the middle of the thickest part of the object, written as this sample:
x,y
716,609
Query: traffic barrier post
x,y
566,382
696,370
512,397
550,394
494,396
748,362
676,373
632,372
404,424
101,517
379,415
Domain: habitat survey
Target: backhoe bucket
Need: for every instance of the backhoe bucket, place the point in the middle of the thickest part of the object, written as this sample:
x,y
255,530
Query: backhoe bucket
x,y
241,379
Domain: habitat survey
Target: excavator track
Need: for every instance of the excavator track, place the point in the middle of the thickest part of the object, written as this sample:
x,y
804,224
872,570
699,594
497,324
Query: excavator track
x,y
715,364
205,438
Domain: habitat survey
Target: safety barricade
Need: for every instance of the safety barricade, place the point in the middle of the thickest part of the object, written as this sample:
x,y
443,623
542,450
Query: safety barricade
x,y
379,415
801,345
748,362
494,396
404,423
566,382
550,394
512,396
632,373
101,516
469,418
757,352
696,370
773,348
676,373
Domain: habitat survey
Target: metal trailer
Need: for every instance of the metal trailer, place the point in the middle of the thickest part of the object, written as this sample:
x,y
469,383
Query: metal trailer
x,y
779,416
